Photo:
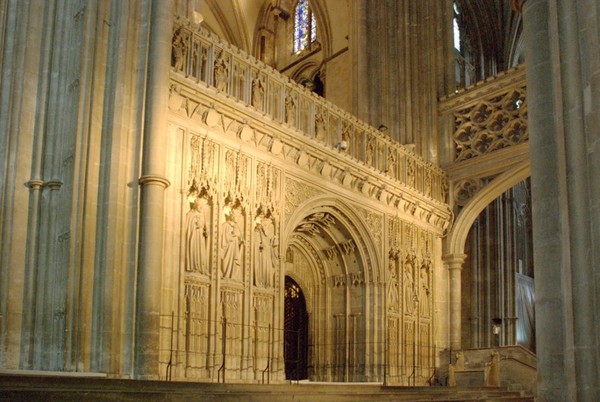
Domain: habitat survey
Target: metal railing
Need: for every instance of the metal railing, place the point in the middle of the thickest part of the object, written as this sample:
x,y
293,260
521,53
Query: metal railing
x,y
213,350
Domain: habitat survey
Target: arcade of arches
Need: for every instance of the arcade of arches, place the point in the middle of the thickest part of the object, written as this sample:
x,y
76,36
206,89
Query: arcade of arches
x,y
264,191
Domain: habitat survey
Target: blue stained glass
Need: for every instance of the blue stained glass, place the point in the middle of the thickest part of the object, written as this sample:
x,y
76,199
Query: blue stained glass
x,y
305,27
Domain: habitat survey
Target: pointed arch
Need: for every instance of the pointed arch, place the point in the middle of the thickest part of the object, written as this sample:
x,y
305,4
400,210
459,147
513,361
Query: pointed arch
x,y
346,215
458,235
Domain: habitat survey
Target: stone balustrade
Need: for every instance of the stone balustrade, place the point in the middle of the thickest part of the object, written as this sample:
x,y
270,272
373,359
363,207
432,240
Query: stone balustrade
x,y
205,59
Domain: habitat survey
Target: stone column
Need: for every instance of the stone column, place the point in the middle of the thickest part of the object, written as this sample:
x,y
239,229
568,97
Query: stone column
x,y
153,184
565,322
454,262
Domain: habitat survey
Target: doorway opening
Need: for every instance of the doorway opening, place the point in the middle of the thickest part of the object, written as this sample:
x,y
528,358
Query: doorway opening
x,y
295,332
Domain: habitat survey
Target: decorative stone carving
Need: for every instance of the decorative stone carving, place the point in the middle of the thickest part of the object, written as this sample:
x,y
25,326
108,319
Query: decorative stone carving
x,y
393,296
411,297
258,93
296,193
231,242
196,328
248,199
290,109
245,133
369,151
391,163
266,255
465,190
197,234
374,222
351,279
320,125
179,48
218,64
221,73
346,137
491,124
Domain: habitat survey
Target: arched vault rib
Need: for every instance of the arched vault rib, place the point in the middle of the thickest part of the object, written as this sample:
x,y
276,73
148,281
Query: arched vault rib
x,y
350,221
457,236
311,276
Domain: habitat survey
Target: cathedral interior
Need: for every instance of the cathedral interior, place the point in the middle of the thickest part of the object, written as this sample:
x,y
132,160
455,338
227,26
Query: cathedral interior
x,y
396,192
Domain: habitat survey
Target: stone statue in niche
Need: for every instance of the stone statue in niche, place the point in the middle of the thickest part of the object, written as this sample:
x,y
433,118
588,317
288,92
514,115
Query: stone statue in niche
x,y
265,252
410,293
197,235
424,292
258,93
346,137
178,50
391,163
393,298
369,151
320,127
221,73
231,243
290,109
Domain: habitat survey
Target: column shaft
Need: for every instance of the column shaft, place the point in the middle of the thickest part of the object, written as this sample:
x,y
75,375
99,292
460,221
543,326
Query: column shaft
x,y
153,184
454,264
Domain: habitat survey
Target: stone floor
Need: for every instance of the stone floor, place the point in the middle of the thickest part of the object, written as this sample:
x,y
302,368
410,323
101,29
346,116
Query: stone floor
x,y
16,388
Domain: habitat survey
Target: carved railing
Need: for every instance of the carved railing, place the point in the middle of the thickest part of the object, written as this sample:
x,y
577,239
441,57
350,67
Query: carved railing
x,y
488,115
207,60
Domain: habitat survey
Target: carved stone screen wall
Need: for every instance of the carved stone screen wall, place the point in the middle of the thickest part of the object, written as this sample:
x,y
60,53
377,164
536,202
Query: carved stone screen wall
x,y
259,192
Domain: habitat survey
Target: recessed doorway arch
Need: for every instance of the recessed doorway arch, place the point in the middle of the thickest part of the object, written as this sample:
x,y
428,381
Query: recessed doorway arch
x,y
295,346
330,255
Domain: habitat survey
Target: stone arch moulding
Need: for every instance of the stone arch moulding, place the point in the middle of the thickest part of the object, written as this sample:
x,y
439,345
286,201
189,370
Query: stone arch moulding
x,y
304,282
458,235
324,36
352,221
308,70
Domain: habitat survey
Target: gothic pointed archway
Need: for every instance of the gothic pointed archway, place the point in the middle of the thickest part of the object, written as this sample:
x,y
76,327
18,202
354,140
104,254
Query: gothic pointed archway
x,y
330,257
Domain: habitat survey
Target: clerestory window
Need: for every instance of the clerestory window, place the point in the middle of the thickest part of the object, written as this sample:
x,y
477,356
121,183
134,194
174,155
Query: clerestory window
x,y
305,26
456,26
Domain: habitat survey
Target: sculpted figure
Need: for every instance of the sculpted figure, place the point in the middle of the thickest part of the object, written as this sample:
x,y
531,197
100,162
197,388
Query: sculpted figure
x,y
265,255
196,250
459,365
391,163
320,127
258,93
290,110
369,151
221,73
178,50
232,241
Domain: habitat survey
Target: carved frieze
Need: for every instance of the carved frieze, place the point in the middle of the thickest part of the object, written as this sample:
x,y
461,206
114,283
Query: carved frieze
x,y
246,81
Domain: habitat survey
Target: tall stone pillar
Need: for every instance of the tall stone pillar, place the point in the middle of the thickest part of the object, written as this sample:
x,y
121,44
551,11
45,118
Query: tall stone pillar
x,y
566,331
454,263
153,184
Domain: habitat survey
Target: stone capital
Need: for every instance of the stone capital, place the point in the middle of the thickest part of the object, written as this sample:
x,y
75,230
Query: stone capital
x,y
454,261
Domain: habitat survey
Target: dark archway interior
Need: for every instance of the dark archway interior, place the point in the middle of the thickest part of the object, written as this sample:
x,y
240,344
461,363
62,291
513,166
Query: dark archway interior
x,y
296,332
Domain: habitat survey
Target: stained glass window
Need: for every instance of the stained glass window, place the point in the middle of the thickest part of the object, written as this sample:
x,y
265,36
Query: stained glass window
x,y
457,36
305,26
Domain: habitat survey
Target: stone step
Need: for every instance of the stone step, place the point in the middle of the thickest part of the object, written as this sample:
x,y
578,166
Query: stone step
x,y
17,388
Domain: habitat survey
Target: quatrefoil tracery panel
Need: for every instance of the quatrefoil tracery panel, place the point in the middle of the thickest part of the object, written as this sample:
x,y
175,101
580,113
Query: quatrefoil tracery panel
x,y
491,124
